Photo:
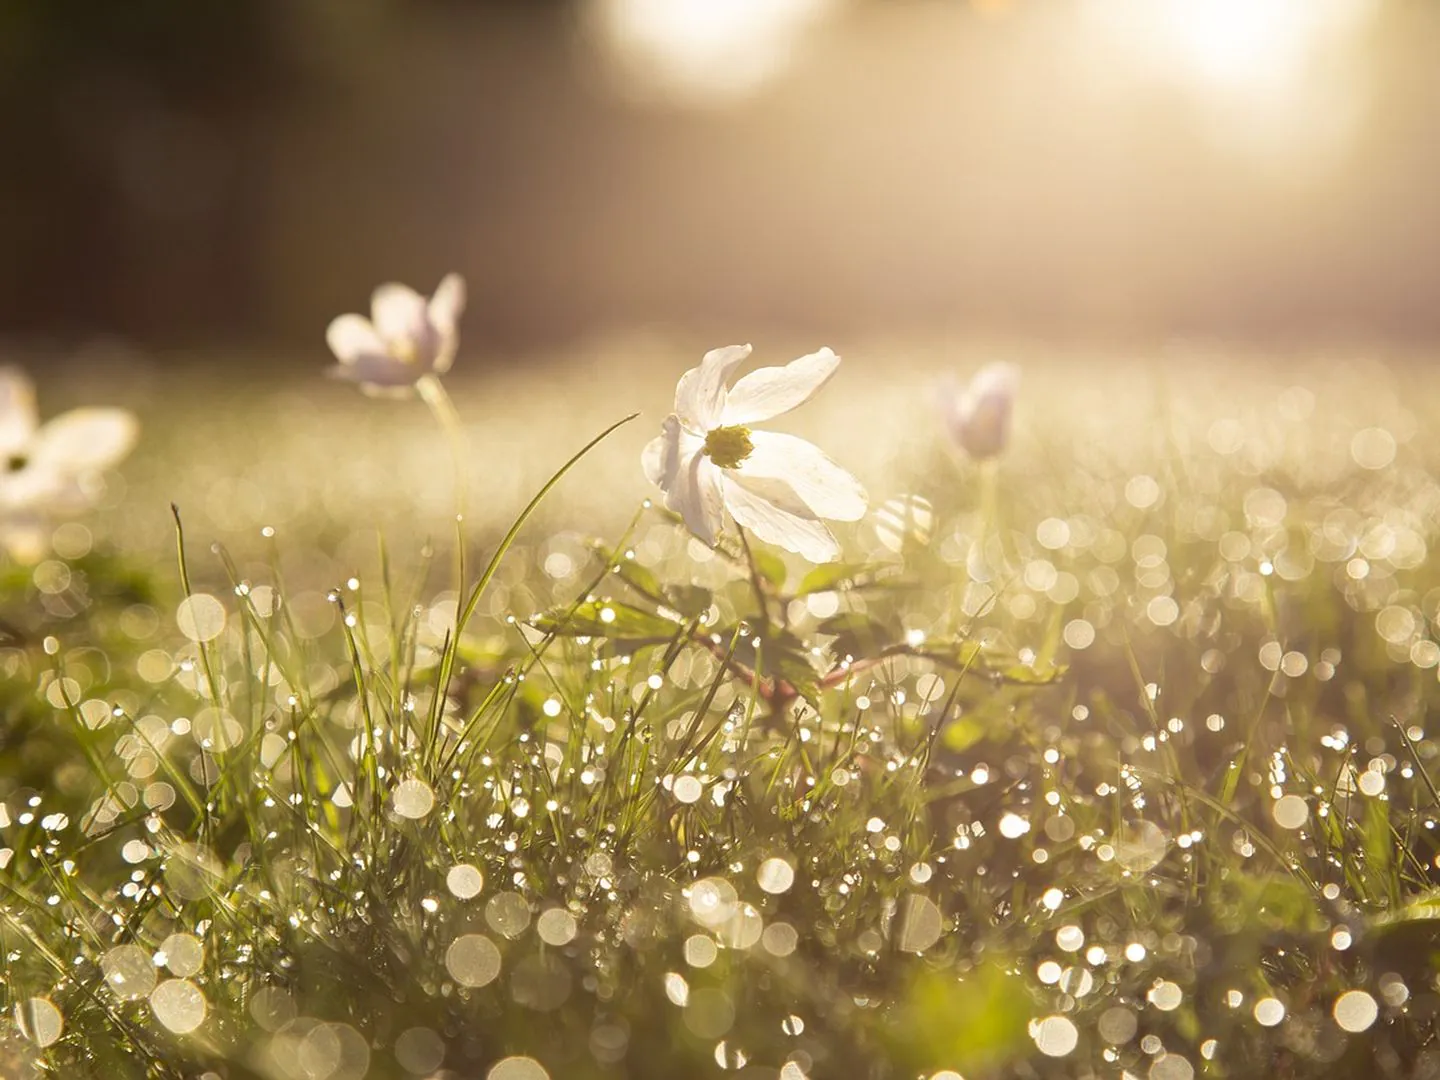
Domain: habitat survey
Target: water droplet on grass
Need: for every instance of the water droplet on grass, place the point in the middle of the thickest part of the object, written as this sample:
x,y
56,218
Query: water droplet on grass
x,y
179,1005
39,1021
413,799
518,1068
1355,1011
472,960
201,617
775,876
129,972
419,1050
1055,1036
464,881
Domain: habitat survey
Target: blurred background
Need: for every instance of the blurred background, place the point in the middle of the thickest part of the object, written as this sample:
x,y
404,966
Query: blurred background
x,y
196,176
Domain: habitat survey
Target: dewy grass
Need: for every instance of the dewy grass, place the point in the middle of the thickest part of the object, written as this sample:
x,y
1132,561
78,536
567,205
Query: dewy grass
x,y
1122,768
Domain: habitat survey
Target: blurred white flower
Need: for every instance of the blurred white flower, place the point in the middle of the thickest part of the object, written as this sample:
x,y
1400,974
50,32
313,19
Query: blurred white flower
x,y
978,415
707,459
51,469
406,338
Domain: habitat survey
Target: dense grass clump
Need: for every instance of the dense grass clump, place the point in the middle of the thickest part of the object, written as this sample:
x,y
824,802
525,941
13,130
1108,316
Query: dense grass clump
x,y
1110,757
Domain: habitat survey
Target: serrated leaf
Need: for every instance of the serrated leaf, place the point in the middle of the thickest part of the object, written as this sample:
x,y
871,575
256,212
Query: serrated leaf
x,y
609,619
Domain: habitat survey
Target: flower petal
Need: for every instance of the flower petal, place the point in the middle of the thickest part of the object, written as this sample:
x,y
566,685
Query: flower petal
x,y
448,303
656,460
18,417
998,379
444,312
697,497
776,525
700,394
84,440
401,315
377,370
979,418
827,489
26,537
351,336
30,490
770,391
663,455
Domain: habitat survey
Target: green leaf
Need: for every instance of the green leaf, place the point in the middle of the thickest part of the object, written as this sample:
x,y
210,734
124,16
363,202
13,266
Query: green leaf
x,y
1032,674
783,655
957,651
689,600
924,1029
832,576
961,734
636,576
770,565
858,634
608,619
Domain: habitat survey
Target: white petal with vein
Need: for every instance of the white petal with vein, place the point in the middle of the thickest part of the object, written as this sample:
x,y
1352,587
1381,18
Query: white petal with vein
x,y
352,336
700,394
697,497
399,313
448,303
770,391
18,417
804,536
85,439
825,487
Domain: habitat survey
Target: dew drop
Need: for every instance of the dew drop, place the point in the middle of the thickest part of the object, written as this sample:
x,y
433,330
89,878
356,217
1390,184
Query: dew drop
x,y
775,876
1355,1011
1055,1036
465,881
39,1020
413,799
472,960
179,1005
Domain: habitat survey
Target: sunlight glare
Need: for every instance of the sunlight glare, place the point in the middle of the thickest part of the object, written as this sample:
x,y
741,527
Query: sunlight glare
x,y
1235,45
704,49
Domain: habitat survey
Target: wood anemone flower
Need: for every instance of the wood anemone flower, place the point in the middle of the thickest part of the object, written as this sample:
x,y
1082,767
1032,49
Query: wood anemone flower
x,y
978,415
52,468
406,338
709,462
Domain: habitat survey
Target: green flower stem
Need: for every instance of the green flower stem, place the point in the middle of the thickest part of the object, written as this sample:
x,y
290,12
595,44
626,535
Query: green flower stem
x,y
432,391
756,584
989,503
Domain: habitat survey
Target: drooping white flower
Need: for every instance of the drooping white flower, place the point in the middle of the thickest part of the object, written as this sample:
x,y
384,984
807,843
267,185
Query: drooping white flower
x,y
51,469
406,338
978,415
709,461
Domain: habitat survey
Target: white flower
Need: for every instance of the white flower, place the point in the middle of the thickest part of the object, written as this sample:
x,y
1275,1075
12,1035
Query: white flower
x,y
979,415
406,338
708,460
51,469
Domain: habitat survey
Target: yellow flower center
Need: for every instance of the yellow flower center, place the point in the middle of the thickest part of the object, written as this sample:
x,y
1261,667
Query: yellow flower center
x,y
403,349
728,446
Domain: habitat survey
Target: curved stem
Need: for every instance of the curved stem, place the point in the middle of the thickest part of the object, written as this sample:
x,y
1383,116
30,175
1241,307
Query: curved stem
x,y
432,391
755,579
